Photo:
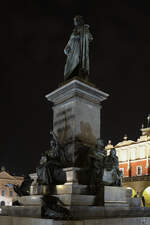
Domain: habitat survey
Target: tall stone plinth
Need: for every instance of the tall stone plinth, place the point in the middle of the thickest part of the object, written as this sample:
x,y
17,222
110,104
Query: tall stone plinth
x,y
76,117
76,122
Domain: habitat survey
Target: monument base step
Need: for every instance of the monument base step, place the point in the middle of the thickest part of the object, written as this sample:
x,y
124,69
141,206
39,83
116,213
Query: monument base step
x,y
70,195
116,204
67,199
67,188
8,220
78,212
21,211
77,200
32,200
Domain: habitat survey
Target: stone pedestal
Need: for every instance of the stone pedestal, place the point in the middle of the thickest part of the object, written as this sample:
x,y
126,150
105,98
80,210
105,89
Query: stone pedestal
x,y
76,117
72,193
76,122
109,196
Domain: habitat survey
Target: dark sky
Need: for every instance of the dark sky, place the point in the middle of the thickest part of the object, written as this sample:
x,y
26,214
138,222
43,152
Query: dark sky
x,y
32,38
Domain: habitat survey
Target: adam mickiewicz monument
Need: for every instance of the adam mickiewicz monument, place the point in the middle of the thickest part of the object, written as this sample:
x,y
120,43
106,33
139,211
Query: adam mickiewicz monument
x,y
76,179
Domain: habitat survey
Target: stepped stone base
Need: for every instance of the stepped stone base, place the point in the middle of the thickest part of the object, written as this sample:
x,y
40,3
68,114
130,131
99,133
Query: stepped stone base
x,y
80,195
77,200
67,199
32,200
102,217
79,212
67,188
70,188
74,193
21,211
114,221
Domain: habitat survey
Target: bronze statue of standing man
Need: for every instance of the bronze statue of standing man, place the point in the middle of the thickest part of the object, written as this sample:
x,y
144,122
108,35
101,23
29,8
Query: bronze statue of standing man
x,y
77,50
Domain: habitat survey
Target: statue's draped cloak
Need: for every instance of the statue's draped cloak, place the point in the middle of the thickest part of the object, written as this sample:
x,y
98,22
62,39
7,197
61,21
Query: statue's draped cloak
x,y
77,50
51,171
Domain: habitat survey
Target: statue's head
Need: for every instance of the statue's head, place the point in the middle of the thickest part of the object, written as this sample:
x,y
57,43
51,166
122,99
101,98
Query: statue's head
x,y
78,20
113,152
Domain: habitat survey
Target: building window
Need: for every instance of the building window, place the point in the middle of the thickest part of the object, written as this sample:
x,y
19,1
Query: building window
x,y
3,193
132,154
10,193
142,152
138,170
123,155
122,170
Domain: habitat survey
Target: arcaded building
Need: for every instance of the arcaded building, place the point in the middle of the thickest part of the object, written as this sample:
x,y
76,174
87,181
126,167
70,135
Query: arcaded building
x,y
134,161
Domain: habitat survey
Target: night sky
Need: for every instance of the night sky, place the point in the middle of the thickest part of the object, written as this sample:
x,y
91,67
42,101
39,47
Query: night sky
x,y
33,35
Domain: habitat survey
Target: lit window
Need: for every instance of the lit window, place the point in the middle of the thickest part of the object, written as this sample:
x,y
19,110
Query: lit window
x,y
138,170
10,193
3,193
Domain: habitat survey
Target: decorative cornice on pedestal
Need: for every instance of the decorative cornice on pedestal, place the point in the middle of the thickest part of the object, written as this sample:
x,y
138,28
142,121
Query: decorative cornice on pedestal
x,y
76,88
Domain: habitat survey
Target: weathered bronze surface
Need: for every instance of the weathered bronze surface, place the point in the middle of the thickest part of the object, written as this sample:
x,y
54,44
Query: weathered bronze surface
x,y
24,188
104,169
112,175
51,164
77,50
96,162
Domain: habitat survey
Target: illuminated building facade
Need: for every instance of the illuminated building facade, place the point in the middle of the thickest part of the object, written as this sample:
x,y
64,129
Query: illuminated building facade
x,y
6,190
134,161
134,157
